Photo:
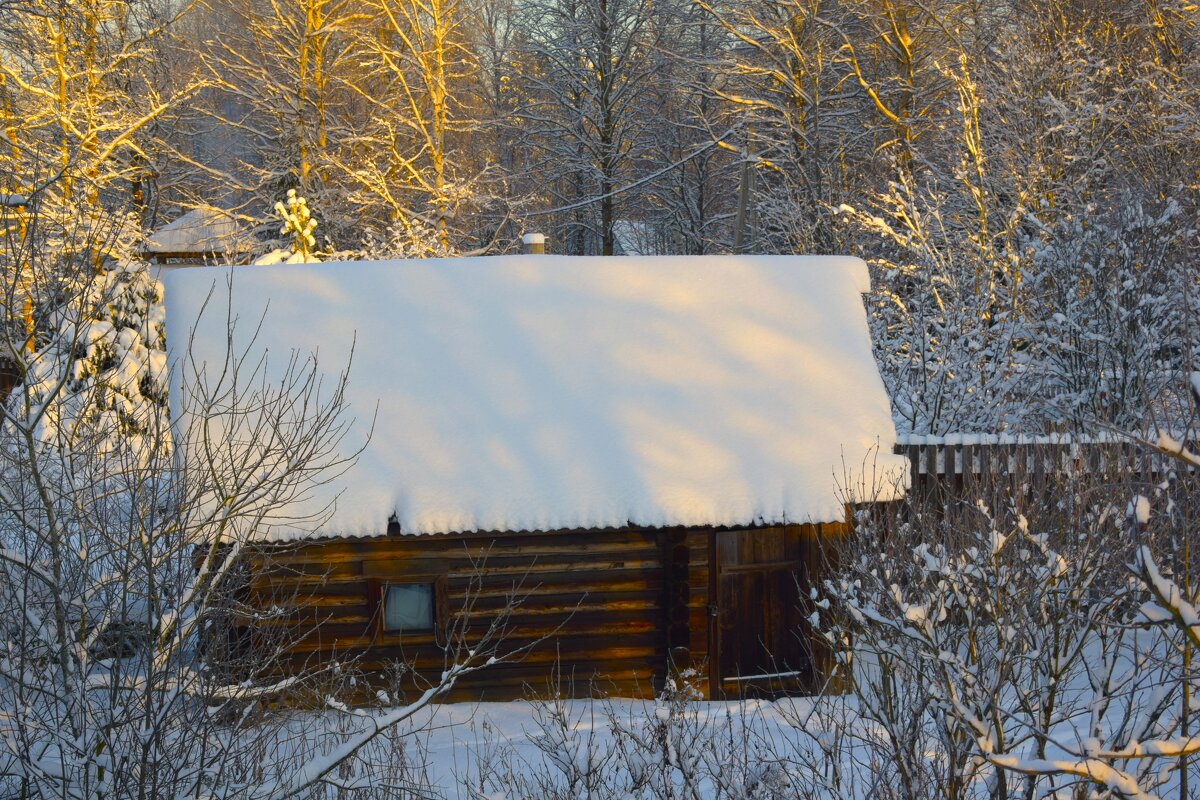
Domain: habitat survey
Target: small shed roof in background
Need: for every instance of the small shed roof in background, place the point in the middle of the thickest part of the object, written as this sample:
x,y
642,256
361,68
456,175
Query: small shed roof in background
x,y
545,392
199,233
636,238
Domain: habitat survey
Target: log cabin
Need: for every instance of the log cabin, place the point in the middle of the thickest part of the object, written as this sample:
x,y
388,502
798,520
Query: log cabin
x,y
651,453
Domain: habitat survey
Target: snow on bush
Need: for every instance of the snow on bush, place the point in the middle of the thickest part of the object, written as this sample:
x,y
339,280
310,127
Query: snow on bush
x,y
1023,646
1115,295
407,237
670,747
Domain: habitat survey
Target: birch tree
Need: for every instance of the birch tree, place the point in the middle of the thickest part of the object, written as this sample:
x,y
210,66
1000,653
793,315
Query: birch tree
x,y
407,163
796,143
282,69
77,118
689,208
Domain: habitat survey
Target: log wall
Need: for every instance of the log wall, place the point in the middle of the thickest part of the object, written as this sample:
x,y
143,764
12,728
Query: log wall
x,y
610,611
578,607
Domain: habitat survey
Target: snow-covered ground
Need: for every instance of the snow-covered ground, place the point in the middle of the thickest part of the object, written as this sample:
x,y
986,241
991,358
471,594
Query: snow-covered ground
x,y
850,747
623,748
616,748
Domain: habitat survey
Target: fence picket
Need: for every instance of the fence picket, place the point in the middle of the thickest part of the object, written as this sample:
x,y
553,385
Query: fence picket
x,y
944,468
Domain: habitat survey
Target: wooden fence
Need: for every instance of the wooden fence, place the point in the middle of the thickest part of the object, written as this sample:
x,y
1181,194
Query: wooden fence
x,y
991,468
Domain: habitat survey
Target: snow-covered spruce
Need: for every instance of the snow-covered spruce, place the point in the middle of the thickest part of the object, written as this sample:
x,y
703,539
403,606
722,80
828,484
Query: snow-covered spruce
x,y
99,374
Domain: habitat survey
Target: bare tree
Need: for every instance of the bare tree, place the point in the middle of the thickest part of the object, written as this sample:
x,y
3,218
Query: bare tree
x,y
407,163
689,207
782,77
125,542
283,71
585,114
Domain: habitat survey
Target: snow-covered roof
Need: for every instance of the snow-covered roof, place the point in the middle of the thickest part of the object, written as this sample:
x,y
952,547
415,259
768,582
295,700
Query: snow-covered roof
x,y
545,392
201,230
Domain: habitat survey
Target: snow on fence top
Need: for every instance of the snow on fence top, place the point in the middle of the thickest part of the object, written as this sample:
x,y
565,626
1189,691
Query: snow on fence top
x,y
1009,453
1006,439
544,392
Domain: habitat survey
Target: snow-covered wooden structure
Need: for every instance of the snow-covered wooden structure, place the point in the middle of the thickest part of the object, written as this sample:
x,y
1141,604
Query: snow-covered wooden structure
x,y
652,450
199,236
10,376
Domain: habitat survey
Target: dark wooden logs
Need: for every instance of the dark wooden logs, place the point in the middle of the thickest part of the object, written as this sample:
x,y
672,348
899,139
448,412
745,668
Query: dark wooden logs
x,y
578,612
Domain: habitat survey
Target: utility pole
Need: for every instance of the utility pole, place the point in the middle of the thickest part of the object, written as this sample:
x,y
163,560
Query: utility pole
x,y
745,191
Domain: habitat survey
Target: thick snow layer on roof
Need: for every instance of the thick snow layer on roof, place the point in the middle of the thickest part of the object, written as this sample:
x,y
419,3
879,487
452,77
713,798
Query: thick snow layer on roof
x,y
201,230
544,392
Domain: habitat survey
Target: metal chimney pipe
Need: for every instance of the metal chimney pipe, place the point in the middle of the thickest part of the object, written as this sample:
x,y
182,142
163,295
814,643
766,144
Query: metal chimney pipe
x,y
533,244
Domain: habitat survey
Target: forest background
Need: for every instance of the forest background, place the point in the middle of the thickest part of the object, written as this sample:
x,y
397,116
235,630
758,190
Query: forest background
x,y
1023,176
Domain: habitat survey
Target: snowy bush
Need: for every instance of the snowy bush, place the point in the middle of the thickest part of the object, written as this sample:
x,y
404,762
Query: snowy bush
x,y
406,238
671,747
1016,646
1117,292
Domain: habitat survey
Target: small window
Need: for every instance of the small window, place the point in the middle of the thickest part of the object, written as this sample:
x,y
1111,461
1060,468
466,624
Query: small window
x,y
408,607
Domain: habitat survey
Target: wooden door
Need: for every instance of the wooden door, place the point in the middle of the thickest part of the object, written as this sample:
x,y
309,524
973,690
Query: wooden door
x,y
763,635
